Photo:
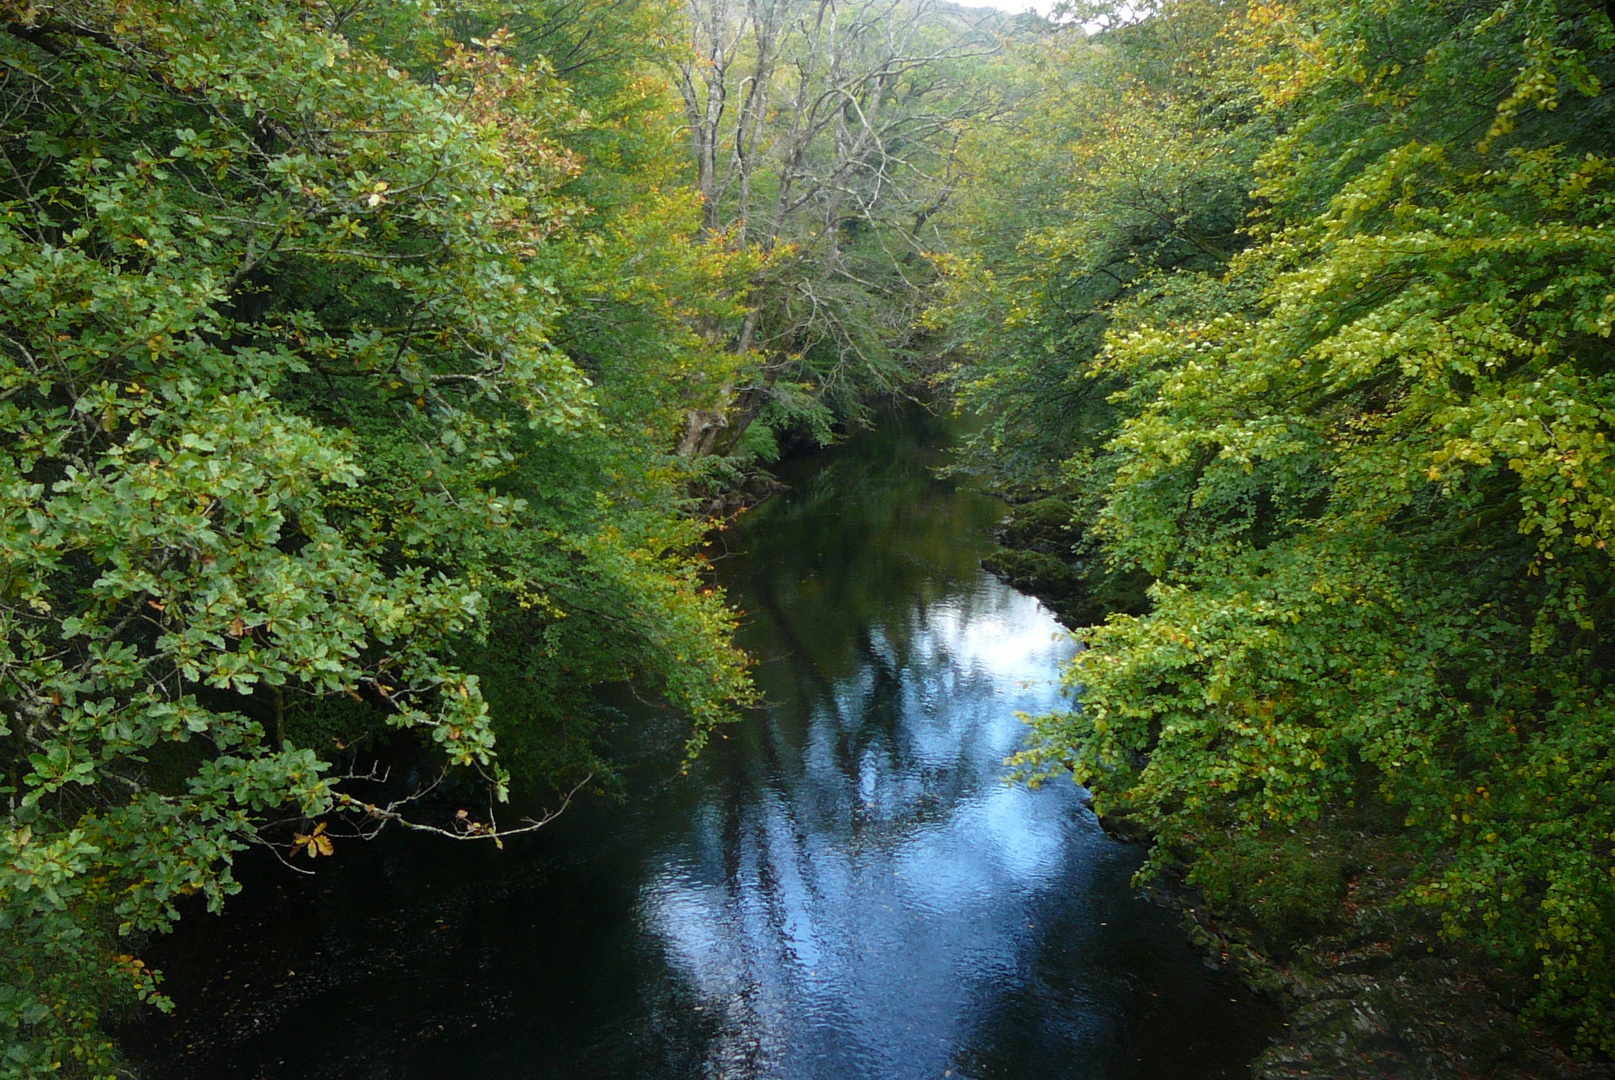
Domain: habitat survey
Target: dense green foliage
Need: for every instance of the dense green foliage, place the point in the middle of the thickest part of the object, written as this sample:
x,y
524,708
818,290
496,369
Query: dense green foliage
x,y
343,353
1305,309
357,362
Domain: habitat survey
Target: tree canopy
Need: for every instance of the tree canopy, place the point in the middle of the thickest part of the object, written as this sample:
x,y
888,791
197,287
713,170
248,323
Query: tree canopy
x,y
1304,310
363,366
344,348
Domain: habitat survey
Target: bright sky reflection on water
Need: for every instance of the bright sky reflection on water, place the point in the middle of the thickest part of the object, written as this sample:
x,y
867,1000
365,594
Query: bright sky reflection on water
x,y
843,888
866,892
852,917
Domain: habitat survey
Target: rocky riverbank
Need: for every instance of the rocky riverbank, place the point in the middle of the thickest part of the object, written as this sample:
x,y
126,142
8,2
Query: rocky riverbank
x,y
1377,999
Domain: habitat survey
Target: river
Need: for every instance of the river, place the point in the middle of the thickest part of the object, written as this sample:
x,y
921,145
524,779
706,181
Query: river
x,y
843,887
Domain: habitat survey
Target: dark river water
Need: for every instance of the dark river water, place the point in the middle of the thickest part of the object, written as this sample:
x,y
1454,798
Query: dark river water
x,y
843,887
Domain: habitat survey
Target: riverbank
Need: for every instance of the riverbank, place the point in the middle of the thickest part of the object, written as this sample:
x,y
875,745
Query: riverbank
x,y
1373,993
1379,999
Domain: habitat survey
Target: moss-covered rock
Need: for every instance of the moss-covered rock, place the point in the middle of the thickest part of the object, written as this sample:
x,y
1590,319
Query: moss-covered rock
x,y
1042,525
1045,554
1036,572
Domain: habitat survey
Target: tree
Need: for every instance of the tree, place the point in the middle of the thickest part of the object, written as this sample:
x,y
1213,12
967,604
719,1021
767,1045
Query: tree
x,y
293,457
1365,463
821,133
1110,188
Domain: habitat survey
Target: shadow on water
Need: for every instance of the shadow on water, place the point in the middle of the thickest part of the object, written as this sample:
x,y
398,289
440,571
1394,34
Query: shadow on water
x,y
843,888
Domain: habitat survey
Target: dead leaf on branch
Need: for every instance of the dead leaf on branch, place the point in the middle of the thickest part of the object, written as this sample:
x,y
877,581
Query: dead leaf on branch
x,y
315,843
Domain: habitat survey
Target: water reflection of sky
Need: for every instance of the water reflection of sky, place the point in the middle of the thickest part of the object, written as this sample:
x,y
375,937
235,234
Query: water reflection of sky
x,y
830,950
843,887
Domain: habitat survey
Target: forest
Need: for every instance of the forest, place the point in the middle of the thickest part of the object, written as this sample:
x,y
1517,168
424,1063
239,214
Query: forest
x,y
372,370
